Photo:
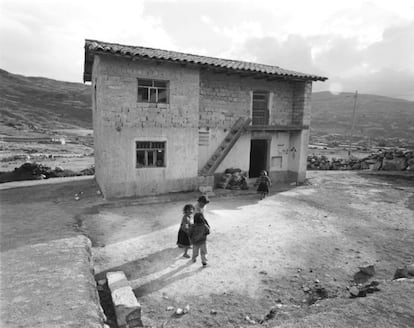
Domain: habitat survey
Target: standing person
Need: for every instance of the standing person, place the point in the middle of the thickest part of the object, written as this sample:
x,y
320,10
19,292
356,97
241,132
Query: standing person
x,y
264,183
198,236
183,241
201,205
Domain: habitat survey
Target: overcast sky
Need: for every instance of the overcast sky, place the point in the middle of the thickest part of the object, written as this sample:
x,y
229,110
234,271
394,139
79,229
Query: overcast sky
x,y
359,45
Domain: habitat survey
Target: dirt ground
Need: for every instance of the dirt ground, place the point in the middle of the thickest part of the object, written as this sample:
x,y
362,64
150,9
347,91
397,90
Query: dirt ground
x,y
285,261
75,154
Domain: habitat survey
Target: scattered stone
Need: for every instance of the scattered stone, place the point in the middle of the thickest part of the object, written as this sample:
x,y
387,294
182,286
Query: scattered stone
x,y
263,272
354,291
364,290
247,318
212,311
170,308
316,294
269,316
187,308
410,269
401,279
370,270
179,311
306,289
364,274
401,273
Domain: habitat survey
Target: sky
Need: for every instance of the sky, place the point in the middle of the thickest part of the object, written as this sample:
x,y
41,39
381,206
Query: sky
x,y
359,45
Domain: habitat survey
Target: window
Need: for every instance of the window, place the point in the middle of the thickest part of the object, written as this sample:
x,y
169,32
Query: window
x,y
260,112
152,91
150,153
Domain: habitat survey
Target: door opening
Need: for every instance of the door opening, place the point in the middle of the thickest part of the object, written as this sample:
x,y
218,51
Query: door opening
x,y
258,157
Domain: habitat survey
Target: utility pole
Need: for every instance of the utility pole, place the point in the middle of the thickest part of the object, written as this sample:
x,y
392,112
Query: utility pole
x,y
353,123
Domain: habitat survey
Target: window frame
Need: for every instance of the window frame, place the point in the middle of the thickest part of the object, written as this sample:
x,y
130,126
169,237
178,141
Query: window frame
x,y
152,87
149,149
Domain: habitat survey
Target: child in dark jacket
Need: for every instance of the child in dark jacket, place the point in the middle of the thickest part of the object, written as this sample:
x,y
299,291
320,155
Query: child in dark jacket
x,y
198,236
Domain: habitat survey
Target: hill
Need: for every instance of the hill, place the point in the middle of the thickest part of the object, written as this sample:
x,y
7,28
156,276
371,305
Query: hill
x,y
36,104
375,116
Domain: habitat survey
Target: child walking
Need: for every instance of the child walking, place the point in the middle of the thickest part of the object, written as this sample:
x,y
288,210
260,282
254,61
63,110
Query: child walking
x,y
264,183
198,236
201,205
183,240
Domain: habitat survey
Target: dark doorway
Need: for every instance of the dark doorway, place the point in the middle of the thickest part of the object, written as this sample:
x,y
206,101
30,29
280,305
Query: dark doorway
x,y
258,157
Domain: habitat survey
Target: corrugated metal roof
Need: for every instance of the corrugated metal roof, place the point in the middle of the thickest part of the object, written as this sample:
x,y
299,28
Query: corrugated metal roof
x,y
93,47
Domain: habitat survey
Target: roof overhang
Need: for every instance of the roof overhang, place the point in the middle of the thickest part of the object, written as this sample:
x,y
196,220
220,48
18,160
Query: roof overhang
x,y
226,66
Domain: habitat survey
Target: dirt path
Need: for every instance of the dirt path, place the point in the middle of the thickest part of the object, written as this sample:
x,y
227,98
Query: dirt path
x,y
268,254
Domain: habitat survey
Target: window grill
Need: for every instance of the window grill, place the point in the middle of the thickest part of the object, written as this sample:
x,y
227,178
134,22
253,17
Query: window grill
x,y
150,154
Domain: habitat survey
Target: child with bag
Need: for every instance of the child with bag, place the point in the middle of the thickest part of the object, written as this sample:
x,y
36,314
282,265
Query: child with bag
x,y
198,236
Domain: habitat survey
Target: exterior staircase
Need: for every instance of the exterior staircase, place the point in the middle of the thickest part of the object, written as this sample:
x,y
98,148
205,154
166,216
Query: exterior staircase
x,y
224,148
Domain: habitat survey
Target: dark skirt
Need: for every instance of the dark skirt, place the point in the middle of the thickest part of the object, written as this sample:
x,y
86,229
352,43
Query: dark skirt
x,y
263,187
183,241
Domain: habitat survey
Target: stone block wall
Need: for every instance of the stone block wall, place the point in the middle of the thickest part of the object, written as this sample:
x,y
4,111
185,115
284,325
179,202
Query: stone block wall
x,y
301,109
224,98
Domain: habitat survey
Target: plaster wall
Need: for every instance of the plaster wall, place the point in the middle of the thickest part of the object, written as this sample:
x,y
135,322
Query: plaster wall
x,y
120,121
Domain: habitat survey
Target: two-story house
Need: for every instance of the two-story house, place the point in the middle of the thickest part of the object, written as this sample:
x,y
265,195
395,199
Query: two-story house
x,y
166,121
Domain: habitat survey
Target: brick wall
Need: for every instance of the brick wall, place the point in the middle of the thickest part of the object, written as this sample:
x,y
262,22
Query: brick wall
x,y
301,109
224,98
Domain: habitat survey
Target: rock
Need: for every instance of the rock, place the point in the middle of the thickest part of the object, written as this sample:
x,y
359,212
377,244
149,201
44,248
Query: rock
x,y
306,289
401,273
77,198
364,274
369,270
354,291
410,269
179,311
212,311
170,308
187,308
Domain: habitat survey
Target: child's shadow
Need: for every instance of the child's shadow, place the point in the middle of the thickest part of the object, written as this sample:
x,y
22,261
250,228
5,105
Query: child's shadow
x,y
153,263
165,279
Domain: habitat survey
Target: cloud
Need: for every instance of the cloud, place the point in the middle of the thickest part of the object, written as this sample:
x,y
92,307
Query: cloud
x,y
357,44
293,53
47,39
395,49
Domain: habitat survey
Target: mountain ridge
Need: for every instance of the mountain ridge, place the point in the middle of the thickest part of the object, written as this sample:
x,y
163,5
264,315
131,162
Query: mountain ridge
x,y
30,104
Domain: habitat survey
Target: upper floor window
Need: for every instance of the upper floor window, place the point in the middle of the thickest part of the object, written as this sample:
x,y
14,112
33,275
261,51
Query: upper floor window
x,y
260,111
152,91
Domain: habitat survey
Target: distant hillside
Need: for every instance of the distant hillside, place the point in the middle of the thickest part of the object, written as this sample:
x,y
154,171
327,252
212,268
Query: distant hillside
x,y
35,103
375,116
